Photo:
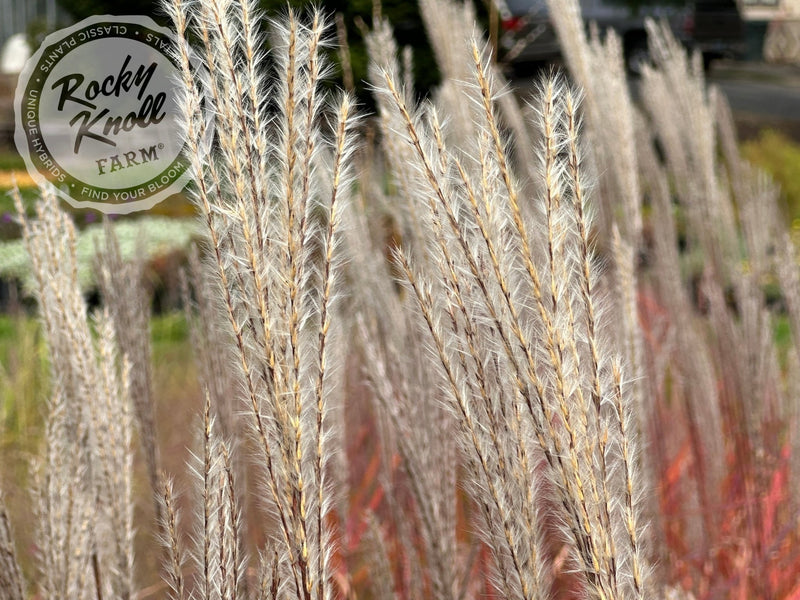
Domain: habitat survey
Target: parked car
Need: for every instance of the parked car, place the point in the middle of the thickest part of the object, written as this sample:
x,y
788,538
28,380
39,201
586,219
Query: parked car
x,y
715,27
712,26
528,35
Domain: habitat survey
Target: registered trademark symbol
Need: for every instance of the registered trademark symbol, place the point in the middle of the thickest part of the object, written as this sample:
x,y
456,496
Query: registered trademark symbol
x,y
161,146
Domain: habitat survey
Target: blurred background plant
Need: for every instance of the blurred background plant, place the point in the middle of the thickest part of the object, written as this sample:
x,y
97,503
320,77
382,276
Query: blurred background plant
x,y
779,156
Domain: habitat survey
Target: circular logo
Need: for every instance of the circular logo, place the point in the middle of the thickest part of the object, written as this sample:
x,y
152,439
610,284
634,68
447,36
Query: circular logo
x,y
98,116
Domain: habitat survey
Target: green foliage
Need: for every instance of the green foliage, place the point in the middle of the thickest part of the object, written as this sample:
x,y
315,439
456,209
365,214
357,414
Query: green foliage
x,y
11,160
23,379
780,157
169,328
29,196
784,342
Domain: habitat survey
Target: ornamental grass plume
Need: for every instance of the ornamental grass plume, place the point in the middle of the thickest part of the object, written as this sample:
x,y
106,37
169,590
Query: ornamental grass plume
x,y
405,392
124,293
271,194
506,288
732,221
718,413
83,492
12,585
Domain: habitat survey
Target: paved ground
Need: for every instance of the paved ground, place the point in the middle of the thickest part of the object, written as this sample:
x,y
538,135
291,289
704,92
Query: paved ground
x,y
769,99
761,95
757,88
729,70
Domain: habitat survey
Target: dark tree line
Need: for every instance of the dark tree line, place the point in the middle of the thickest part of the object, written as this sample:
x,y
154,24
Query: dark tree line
x,y
403,14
